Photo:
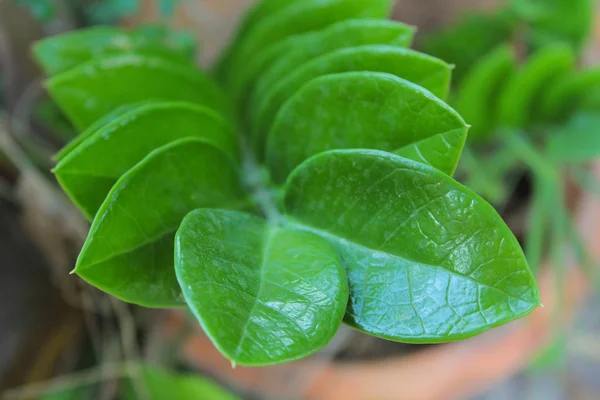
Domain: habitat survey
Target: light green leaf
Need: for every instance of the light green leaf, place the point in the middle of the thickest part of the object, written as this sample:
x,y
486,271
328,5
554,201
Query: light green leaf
x,y
60,53
129,250
578,141
263,294
364,110
569,92
92,90
519,101
87,174
428,260
300,17
284,56
423,70
160,384
477,94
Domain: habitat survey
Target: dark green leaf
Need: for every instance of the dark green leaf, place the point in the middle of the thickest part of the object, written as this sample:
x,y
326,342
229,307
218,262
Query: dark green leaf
x,y
477,94
520,99
129,250
92,90
284,56
87,174
263,294
300,17
58,54
427,259
428,72
365,110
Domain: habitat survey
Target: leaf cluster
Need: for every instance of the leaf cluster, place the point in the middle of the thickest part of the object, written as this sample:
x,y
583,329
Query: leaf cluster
x,y
305,181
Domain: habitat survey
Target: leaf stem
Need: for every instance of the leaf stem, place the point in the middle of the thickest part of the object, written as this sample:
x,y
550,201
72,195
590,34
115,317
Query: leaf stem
x,y
256,179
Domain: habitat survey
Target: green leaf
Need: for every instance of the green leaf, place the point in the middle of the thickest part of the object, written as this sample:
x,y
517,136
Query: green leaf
x,y
96,126
364,110
578,141
428,260
167,7
286,55
129,250
92,90
260,11
58,54
521,96
477,94
568,21
569,92
161,385
464,43
300,17
263,294
429,72
87,174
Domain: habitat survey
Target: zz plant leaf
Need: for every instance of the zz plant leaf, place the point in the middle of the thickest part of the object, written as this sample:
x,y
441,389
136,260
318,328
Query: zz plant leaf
x,y
129,250
87,175
310,186
427,259
386,113
271,284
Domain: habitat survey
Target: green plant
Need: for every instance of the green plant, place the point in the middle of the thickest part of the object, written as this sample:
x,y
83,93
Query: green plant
x,y
301,190
533,112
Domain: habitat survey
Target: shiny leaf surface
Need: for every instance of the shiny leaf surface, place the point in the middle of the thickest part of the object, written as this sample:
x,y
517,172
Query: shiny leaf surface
x,y
264,295
129,250
364,110
427,260
58,54
87,174
94,89
423,70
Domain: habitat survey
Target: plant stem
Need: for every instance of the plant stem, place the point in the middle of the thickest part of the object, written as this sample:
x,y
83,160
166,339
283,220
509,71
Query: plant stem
x,y
256,179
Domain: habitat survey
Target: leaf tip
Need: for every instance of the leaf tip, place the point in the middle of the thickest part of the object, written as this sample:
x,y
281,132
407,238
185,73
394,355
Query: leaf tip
x,y
233,364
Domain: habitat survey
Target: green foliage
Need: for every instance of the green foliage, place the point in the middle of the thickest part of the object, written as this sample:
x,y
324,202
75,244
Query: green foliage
x,y
333,226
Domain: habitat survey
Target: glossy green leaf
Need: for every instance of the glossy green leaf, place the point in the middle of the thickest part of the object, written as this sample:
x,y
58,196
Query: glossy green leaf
x,y
159,384
58,54
96,126
429,72
87,174
129,250
284,56
577,141
94,89
364,110
427,260
263,294
300,17
477,94
520,98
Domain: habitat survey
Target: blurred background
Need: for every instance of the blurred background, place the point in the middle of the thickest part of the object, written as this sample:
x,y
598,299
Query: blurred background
x,y
63,339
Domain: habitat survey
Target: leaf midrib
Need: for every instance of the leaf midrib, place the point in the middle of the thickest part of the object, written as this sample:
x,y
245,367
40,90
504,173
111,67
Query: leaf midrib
x,y
331,236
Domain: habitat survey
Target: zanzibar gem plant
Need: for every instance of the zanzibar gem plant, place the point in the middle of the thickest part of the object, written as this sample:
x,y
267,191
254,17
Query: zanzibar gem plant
x,y
305,181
